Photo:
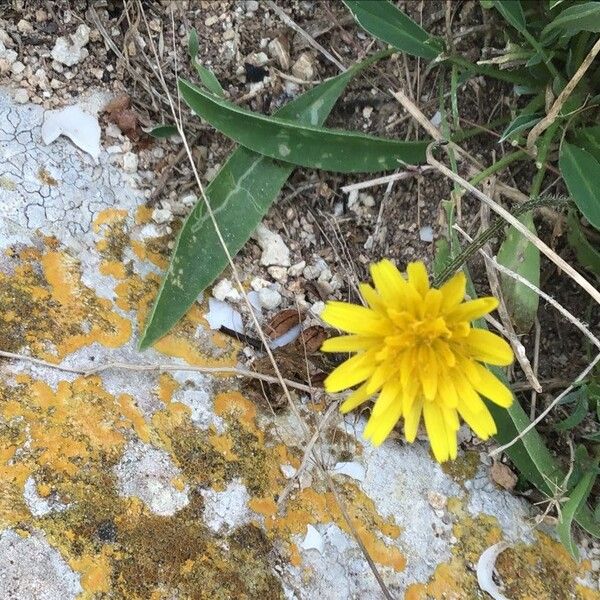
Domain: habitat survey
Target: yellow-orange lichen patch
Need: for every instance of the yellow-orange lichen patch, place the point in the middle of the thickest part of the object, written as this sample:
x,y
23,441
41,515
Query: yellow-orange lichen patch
x,y
541,571
109,216
113,268
51,311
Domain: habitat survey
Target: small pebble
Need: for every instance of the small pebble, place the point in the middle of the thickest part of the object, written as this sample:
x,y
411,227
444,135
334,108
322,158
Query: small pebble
x,y
269,298
21,96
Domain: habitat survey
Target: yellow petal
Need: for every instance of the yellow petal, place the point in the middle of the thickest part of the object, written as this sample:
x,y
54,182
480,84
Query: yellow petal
x,y
411,420
436,431
432,303
371,297
388,281
480,422
409,394
384,424
354,319
380,375
452,425
471,310
467,395
443,351
348,343
428,373
454,291
417,277
350,372
488,347
356,398
446,392
389,394
491,387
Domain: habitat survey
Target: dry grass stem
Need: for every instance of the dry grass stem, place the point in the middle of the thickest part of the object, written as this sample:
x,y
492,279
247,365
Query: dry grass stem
x,y
542,125
509,218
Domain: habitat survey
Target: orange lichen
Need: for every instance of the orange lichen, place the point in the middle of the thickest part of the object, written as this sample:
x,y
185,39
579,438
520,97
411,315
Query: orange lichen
x,y
541,571
109,216
113,268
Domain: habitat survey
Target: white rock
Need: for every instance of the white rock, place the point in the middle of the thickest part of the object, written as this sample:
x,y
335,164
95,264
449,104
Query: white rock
x,y
278,273
80,127
257,283
303,68
351,469
258,59
147,473
279,51
426,234
17,67
71,51
251,6
288,471
210,21
21,96
111,130
161,215
274,250
269,298
130,162
220,314
31,568
317,308
313,540
229,34
225,290
39,506
311,272
296,269
227,509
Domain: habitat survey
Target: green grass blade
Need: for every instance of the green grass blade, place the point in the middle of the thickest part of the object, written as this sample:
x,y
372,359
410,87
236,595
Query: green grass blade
x,y
303,144
387,23
239,195
580,170
512,11
579,17
522,257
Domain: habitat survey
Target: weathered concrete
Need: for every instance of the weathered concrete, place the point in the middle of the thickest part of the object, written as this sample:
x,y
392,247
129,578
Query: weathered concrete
x,y
164,485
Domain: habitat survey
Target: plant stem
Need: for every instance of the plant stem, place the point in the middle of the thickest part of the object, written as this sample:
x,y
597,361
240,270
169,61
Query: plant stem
x,y
537,47
488,234
508,76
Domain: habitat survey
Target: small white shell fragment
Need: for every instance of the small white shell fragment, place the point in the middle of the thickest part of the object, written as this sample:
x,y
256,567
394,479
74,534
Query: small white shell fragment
x,y
436,119
313,540
426,234
287,338
351,469
485,569
80,127
220,314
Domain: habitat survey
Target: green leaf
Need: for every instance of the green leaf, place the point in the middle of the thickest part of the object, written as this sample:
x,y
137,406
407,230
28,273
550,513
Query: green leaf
x,y
512,11
521,256
569,509
193,45
207,77
303,144
519,124
387,23
587,255
240,195
580,399
580,170
579,17
163,131
588,138
441,258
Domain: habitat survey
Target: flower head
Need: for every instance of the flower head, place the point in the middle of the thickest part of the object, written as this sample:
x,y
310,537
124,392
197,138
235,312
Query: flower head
x,y
414,346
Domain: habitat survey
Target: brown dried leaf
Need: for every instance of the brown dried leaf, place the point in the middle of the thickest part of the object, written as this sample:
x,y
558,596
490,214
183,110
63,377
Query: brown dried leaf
x,y
312,338
120,113
282,322
503,475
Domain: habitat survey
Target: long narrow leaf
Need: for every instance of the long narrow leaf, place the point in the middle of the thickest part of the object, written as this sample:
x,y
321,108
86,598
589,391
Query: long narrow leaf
x,y
568,511
512,11
584,16
389,24
580,170
303,144
240,195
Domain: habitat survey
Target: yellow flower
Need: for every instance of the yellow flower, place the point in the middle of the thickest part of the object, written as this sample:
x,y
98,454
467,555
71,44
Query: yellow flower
x,y
416,348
